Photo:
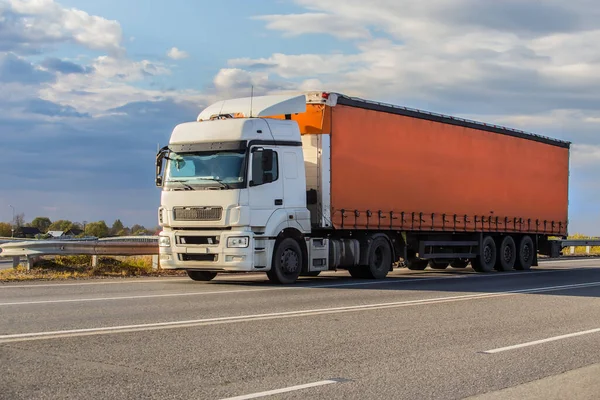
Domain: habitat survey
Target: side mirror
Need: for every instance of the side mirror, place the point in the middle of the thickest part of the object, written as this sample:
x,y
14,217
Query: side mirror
x,y
159,164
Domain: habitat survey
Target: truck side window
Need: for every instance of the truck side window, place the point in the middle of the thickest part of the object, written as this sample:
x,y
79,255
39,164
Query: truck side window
x,y
264,167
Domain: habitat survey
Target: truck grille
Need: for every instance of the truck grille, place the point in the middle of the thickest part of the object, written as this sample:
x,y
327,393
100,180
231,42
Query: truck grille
x,y
199,257
198,240
197,213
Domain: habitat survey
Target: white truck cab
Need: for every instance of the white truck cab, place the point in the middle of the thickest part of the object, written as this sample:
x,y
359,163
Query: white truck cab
x,y
234,195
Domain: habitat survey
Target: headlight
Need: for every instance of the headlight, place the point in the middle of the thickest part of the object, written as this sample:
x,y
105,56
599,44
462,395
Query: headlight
x,y
241,241
164,241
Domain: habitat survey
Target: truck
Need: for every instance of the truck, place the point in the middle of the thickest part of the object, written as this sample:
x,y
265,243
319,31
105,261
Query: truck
x,y
296,184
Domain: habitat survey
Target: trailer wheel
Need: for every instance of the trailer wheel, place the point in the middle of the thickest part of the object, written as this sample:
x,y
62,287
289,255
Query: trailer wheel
x,y
438,264
525,254
379,259
459,263
486,260
507,254
287,262
201,275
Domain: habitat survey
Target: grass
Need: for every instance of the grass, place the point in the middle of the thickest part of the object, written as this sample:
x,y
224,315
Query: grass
x,y
581,250
80,267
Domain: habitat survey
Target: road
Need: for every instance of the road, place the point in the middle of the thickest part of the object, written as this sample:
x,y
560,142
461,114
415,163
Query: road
x,y
417,335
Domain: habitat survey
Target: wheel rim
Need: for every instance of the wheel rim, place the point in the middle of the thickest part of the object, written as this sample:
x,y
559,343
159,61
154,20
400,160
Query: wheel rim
x,y
290,262
378,258
508,253
488,254
526,253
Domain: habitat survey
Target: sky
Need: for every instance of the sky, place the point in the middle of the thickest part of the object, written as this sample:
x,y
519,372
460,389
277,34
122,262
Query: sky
x,y
90,89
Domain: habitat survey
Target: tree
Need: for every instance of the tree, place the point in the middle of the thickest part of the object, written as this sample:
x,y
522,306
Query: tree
x,y
42,223
19,220
117,227
97,229
124,232
5,229
61,225
137,230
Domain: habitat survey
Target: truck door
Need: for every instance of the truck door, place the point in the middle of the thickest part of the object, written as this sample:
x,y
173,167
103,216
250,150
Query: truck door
x,y
266,185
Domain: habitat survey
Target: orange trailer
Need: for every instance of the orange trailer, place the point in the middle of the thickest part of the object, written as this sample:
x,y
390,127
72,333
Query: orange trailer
x,y
450,188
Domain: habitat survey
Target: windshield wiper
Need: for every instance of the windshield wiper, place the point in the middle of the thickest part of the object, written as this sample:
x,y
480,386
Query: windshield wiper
x,y
219,181
185,185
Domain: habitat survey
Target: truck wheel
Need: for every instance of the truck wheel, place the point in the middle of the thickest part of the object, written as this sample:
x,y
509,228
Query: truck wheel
x,y
459,263
438,264
525,254
486,260
417,264
507,254
201,275
379,258
287,262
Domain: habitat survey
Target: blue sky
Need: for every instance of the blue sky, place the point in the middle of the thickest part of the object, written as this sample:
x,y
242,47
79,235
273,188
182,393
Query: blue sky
x,y
89,89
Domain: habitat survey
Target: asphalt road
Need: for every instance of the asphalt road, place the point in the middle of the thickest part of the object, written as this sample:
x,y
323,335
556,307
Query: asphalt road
x,y
417,335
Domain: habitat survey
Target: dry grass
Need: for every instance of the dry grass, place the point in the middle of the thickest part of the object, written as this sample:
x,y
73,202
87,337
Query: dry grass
x,y
581,250
80,267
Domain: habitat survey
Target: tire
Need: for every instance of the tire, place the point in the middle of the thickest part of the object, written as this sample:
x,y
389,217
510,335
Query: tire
x,y
417,264
525,254
201,275
287,262
507,254
438,264
459,264
379,259
486,260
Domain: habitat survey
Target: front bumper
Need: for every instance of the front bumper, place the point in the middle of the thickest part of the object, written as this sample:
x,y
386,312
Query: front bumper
x,y
208,251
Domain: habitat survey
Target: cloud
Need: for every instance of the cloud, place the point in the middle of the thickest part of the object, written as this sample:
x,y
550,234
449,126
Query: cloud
x,y
235,82
176,54
30,26
64,67
109,83
19,70
48,108
315,23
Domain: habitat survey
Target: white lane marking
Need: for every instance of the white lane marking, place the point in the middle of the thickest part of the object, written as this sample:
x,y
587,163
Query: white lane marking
x,y
146,296
296,287
577,260
283,390
112,282
535,342
231,277
20,337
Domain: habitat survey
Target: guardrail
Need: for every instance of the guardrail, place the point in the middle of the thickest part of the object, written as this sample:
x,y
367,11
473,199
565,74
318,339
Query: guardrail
x,y
114,246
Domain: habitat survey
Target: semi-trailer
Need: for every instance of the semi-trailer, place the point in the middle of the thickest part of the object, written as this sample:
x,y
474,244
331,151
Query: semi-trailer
x,y
293,185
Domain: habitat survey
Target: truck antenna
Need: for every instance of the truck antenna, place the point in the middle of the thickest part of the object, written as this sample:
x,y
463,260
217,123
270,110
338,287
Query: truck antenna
x,y
251,98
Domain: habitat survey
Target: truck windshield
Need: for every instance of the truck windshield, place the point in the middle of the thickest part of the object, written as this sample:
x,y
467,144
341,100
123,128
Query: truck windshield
x,y
224,169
